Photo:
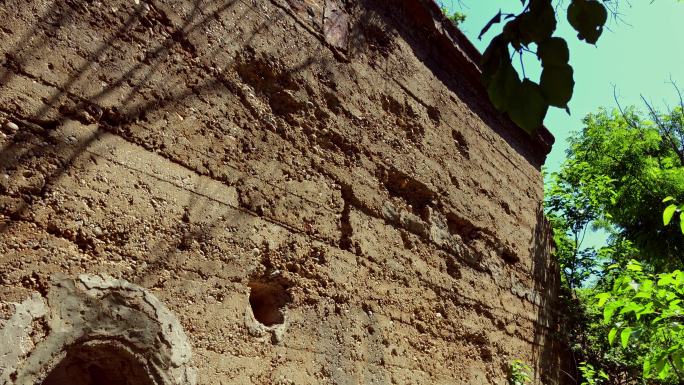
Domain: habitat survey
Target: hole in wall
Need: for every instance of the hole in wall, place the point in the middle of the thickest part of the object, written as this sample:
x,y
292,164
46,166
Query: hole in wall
x,y
99,364
268,300
461,226
412,191
461,143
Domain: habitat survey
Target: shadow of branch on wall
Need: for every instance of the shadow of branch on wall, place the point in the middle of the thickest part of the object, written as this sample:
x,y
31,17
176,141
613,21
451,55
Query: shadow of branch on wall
x,y
106,87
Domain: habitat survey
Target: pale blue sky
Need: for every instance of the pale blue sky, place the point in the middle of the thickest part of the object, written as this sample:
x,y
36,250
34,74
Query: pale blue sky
x,y
638,54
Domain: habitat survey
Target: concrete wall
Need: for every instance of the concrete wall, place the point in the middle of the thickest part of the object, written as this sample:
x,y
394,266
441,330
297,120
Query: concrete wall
x,y
337,160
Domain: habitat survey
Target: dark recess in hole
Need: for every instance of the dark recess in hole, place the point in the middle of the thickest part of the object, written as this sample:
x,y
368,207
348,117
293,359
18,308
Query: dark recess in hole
x,y
412,191
462,227
461,143
101,364
267,299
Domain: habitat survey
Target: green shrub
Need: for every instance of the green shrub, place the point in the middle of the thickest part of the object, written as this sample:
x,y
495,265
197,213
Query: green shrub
x,y
520,373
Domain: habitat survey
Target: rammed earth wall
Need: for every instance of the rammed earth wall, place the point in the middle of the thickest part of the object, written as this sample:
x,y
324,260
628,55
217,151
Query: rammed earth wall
x,y
318,190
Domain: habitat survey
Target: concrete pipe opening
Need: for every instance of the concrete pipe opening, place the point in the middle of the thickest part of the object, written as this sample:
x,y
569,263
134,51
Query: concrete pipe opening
x,y
95,330
99,364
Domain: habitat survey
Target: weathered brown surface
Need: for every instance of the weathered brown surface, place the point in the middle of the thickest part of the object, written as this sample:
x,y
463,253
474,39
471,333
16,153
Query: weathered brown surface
x,y
94,321
358,179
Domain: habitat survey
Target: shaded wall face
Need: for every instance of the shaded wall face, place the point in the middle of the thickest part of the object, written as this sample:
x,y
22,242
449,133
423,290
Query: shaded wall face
x,y
317,192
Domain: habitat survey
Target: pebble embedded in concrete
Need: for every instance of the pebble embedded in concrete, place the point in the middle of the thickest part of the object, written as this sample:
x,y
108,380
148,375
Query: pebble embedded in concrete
x,y
11,127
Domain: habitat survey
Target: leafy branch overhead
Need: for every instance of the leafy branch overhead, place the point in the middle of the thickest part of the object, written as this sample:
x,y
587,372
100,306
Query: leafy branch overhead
x,y
457,18
527,101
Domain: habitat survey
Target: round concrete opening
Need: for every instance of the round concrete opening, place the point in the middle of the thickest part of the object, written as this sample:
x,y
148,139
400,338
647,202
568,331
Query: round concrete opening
x,y
99,364
268,299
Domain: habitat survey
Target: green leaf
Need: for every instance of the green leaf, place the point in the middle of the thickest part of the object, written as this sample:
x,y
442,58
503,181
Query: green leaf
x,y
661,365
602,298
610,309
645,289
553,52
611,336
494,57
678,359
646,367
666,279
537,25
596,13
624,336
664,369
528,107
634,266
511,31
587,17
681,224
662,293
574,13
503,87
668,213
645,311
557,84
667,199
631,307
679,277
643,294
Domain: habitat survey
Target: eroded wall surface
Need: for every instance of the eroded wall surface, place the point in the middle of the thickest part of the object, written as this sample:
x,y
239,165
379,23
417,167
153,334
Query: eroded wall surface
x,y
337,160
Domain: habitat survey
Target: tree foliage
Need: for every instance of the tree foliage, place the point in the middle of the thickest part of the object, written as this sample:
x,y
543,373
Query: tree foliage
x,y
619,168
646,313
532,30
624,299
592,376
456,17
519,373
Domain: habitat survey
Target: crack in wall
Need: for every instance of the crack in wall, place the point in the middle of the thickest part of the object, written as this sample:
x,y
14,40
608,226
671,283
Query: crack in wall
x,y
346,229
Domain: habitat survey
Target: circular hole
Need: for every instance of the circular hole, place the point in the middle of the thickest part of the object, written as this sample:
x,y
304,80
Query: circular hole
x,y
267,300
101,364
